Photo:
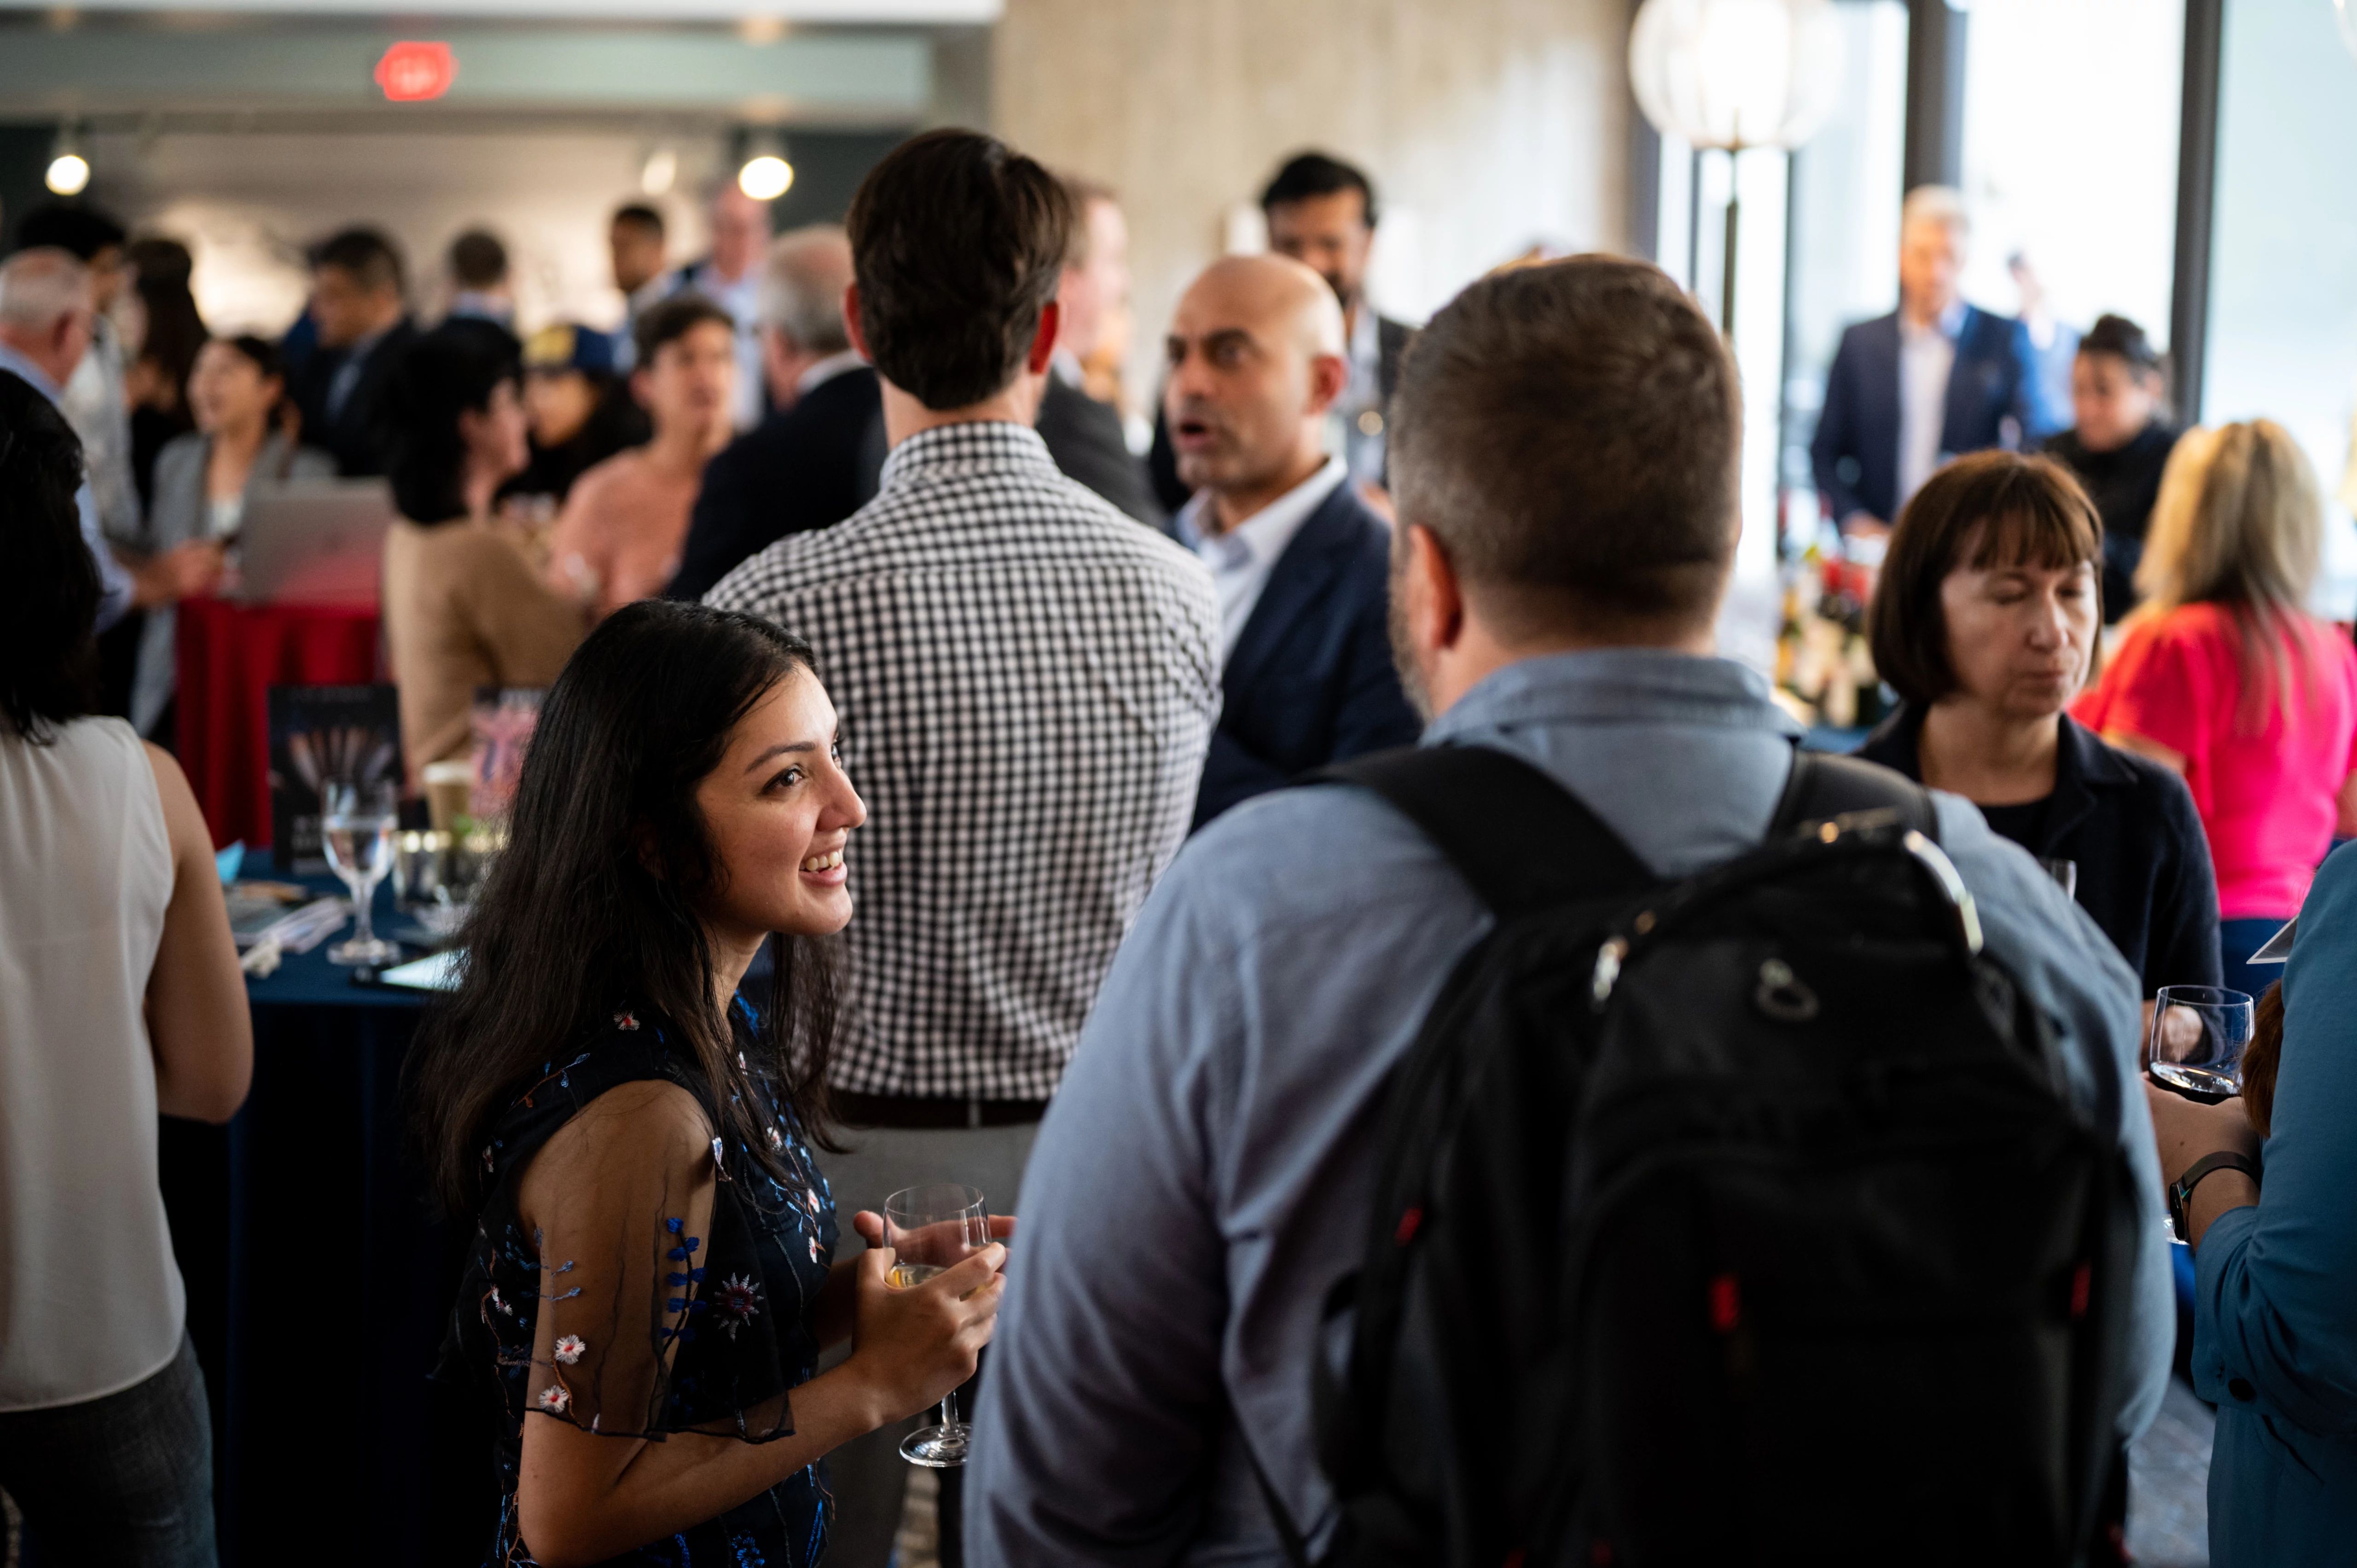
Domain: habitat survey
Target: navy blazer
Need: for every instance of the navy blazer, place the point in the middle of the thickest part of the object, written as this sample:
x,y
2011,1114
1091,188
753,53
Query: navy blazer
x,y
1311,680
2130,826
1854,454
804,467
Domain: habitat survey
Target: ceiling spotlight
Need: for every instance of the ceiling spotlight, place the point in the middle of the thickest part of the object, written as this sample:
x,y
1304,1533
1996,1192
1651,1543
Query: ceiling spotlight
x,y
68,169
766,175
659,172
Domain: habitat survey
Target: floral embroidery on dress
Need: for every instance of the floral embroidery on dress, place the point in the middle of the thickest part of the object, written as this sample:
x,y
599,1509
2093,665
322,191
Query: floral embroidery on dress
x,y
736,1303
754,1271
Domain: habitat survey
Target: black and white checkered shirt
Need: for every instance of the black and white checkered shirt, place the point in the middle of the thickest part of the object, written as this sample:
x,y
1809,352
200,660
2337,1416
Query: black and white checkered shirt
x,y
1027,681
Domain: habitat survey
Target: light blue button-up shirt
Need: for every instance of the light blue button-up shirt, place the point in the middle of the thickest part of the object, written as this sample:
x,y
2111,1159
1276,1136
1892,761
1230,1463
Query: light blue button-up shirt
x,y
1206,1171
113,582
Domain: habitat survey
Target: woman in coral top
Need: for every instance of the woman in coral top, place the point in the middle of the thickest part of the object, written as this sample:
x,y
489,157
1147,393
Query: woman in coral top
x,y
2225,677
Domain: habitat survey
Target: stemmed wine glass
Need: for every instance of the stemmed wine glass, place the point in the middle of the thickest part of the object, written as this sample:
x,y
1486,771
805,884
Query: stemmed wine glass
x,y
2198,1035
356,822
929,1228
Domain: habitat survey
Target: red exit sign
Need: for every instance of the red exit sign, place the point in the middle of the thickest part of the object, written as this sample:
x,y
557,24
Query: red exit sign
x,y
413,72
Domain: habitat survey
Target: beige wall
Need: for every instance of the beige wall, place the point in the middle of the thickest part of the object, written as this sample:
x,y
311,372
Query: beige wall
x,y
1486,125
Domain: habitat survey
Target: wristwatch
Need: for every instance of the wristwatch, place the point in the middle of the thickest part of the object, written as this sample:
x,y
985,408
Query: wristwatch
x,y
2181,1191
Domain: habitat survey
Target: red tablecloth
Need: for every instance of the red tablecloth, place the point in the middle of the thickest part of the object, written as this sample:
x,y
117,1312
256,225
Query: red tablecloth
x,y
231,655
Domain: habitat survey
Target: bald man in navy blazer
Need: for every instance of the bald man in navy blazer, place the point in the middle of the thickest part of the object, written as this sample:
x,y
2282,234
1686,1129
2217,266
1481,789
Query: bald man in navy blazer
x,y
1301,564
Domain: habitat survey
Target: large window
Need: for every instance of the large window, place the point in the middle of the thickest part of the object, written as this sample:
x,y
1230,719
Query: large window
x,y
2070,155
2283,305
1844,245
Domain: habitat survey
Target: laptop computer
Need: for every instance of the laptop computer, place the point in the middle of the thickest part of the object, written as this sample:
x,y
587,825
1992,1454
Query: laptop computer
x,y
314,542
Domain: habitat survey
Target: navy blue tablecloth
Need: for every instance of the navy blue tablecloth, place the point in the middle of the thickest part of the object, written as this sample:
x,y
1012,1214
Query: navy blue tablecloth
x,y
319,1281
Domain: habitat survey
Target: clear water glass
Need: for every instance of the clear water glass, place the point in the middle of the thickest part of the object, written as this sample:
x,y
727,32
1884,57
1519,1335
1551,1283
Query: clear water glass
x,y
2199,1034
930,1229
356,822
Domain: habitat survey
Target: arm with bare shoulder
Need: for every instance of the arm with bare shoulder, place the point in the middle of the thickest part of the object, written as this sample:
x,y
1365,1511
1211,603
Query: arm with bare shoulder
x,y
198,1023
636,1159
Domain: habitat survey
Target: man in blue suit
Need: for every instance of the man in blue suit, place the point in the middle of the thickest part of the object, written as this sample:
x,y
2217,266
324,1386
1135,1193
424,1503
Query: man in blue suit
x,y
1934,379
1300,563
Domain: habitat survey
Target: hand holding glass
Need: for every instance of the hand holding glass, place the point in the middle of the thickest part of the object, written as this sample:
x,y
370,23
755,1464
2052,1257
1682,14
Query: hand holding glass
x,y
356,823
2198,1032
930,1229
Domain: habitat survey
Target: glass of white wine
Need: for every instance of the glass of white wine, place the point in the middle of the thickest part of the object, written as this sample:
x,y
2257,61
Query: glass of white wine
x,y
929,1228
356,823
2198,1032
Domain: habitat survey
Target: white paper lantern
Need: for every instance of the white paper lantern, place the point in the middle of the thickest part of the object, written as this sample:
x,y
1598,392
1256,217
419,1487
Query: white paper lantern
x,y
1736,73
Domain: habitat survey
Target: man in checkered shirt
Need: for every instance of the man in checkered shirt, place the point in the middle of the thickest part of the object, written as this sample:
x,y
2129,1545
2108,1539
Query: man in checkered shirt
x,y
1027,682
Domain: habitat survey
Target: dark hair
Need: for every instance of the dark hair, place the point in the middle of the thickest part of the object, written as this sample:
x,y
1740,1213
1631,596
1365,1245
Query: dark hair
x,y
175,329
958,242
266,358
49,654
68,226
365,254
2123,339
1309,175
450,370
478,260
2263,1058
1569,432
640,216
1988,509
672,318
573,922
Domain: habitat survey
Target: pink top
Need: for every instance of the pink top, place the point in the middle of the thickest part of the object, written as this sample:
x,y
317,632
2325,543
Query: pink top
x,y
2267,797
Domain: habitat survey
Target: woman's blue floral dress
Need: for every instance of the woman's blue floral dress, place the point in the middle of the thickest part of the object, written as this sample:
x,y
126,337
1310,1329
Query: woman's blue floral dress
x,y
679,1332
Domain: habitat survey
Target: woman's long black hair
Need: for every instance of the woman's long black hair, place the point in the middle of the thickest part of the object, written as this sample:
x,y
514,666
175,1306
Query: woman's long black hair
x,y
452,369
594,904
49,661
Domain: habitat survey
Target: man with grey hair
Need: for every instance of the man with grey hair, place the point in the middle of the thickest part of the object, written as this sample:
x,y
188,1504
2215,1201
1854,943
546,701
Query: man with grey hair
x,y
1934,379
816,458
44,329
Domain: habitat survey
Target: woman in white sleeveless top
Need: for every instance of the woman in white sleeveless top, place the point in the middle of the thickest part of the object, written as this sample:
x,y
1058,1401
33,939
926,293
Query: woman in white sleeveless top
x,y
120,997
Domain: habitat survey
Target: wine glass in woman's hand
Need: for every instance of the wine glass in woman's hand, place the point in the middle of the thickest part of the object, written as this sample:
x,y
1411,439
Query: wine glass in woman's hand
x,y
930,1230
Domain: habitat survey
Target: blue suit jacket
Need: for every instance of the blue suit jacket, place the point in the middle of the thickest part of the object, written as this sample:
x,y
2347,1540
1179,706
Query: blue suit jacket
x,y
1311,680
1856,451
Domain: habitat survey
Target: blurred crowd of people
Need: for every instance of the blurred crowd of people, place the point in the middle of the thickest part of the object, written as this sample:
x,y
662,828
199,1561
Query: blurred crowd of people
x,y
841,545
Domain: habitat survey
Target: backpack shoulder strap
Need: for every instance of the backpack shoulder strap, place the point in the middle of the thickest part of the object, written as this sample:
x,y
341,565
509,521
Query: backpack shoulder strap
x,y
1524,841
1822,787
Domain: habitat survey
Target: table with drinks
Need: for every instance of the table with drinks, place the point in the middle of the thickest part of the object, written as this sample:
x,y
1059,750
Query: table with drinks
x,y
319,1281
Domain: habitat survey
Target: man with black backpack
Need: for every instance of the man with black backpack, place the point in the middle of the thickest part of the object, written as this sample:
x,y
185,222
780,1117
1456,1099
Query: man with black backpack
x,y
1594,1137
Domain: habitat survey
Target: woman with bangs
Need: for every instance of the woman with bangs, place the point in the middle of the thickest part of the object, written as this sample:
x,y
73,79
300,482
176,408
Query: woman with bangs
x,y
2223,678
1985,621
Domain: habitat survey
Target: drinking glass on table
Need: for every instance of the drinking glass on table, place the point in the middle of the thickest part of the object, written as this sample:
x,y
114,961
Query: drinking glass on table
x,y
2198,1032
356,823
930,1229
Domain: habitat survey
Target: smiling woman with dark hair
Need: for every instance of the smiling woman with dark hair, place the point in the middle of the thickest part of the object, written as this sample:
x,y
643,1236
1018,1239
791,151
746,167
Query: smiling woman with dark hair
x,y
652,1277
1985,620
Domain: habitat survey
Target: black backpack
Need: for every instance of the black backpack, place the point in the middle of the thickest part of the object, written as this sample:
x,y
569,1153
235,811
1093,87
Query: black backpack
x,y
1746,1219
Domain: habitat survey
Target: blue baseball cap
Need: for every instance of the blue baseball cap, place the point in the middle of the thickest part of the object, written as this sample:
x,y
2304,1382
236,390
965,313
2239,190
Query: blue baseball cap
x,y
569,345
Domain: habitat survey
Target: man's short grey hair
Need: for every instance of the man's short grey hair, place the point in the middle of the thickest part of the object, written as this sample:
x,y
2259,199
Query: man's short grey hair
x,y
801,287
1941,204
40,285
